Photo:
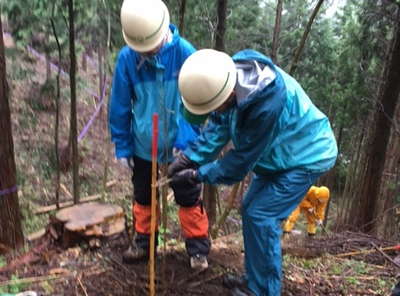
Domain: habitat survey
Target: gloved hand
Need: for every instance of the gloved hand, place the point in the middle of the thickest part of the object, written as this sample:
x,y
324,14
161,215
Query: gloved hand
x,y
127,162
180,163
319,222
190,176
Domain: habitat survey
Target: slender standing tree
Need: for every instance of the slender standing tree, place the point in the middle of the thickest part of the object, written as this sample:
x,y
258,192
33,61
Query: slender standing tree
x,y
74,129
210,192
182,10
277,31
11,236
221,25
299,49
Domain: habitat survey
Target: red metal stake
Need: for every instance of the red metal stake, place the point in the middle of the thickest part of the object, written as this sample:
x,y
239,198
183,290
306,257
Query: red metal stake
x,y
154,153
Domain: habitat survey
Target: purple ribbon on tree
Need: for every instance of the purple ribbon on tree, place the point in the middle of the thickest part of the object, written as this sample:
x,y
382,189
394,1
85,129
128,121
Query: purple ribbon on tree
x,y
9,190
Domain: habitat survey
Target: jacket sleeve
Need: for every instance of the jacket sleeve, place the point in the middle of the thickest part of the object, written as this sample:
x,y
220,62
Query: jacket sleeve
x,y
320,210
120,110
210,141
253,140
187,133
305,204
309,199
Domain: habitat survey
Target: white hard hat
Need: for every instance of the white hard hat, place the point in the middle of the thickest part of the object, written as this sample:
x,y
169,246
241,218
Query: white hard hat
x,y
144,23
206,80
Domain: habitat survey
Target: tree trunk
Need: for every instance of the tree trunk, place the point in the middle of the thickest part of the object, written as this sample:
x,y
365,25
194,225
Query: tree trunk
x,y
390,187
210,203
182,10
74,130
57,119
299,50
387,100
11,236
277,31
221,25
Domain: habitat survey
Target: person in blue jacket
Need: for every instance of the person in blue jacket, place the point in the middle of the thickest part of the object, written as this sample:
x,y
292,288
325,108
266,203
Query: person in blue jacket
x,y
276,132
146,81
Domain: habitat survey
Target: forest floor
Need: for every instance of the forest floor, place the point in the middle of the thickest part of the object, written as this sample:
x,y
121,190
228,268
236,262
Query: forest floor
x,y
310,265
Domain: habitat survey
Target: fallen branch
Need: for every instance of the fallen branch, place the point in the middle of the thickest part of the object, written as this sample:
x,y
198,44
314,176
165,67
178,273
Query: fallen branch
x,y
210,278
340,277
111,183
82,286
116,262
27,258
369,264
186,279
53,207
36,235
385,255
29,280
65,190
397,247
46,209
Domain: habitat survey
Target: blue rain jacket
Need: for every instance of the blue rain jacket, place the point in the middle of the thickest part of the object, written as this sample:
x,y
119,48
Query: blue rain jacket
x,y
142,86
273,127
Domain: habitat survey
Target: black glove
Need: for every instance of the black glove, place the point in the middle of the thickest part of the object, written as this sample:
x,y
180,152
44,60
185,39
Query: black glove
x,y
186,176
180,163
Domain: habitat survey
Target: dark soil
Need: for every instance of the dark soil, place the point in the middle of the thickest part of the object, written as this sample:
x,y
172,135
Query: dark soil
x,y
101,272
81,271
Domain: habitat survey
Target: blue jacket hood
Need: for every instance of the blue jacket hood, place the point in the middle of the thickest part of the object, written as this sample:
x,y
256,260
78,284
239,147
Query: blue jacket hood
x,y
273,129
253,76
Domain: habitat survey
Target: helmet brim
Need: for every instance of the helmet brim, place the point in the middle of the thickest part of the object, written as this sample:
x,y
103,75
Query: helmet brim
x,y
194,118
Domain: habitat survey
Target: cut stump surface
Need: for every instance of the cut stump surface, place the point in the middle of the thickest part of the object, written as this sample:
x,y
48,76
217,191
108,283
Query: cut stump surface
x,y
92,219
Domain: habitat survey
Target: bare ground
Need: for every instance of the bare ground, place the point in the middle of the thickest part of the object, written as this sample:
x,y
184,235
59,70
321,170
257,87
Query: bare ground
x,y
81,271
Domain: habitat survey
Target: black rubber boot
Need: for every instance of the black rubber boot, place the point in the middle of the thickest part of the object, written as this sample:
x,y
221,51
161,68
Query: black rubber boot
x,y
231,281
396,290
241,292
237,284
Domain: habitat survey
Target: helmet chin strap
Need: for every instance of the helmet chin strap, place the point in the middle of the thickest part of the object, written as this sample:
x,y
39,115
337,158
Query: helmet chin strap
x,y
167,38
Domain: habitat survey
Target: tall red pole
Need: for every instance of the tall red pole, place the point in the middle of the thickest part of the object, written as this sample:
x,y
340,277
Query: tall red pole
x,y
152,291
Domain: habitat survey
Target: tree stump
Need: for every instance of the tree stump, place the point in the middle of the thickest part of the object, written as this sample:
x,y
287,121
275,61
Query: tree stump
x,y
88,222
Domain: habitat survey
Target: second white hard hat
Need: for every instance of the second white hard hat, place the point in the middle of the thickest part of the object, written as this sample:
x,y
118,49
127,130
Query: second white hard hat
x,y
144,23
206,80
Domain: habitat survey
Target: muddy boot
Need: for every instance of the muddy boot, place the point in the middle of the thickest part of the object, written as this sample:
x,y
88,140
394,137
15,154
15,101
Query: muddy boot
x,y
134,254
237,284
231,281
198,262
396,290
241,292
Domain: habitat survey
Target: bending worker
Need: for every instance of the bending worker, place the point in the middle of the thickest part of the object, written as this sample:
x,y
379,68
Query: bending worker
x,y
313,206
277,133
146,81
